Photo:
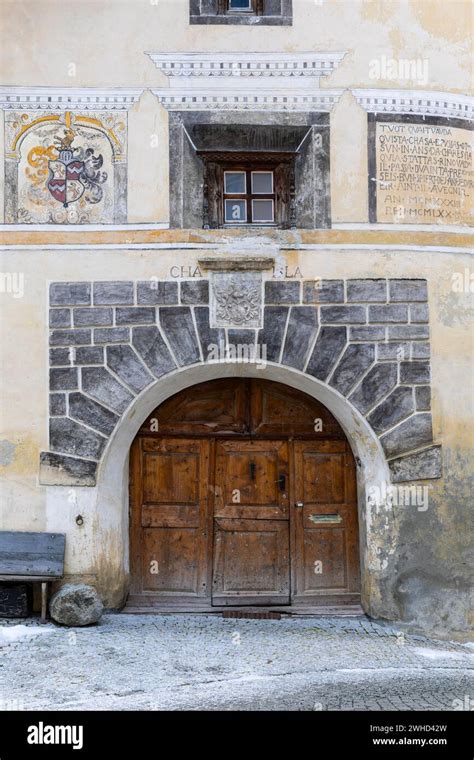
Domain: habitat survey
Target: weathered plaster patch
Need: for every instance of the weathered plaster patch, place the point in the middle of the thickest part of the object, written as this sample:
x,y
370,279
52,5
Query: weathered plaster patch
x,y
456,309
7,452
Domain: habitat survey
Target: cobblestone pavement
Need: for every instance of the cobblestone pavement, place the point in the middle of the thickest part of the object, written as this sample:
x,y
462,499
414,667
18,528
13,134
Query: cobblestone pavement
x,y
197,662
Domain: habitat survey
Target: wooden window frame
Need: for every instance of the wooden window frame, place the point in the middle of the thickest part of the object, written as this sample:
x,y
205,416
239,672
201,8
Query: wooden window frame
x,y
281,163
248,196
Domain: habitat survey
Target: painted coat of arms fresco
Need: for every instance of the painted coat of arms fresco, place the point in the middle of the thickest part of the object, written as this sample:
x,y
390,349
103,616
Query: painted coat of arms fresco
x,y
66,178
74,172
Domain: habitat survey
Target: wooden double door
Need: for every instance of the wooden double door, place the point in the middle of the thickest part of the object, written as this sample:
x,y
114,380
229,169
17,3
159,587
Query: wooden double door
x,y
234,518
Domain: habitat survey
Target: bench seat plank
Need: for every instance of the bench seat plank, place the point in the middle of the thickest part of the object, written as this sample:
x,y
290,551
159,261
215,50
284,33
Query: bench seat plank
x,y
34,556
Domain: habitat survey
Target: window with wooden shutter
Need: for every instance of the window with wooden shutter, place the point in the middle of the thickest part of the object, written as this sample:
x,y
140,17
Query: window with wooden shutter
x,y
249,189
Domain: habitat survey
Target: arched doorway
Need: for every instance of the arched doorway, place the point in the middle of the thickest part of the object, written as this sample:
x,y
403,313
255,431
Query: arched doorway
x,y
242,493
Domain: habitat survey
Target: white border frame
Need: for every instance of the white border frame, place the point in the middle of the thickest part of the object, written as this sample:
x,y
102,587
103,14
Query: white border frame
x,y
236,200
263,171
237,171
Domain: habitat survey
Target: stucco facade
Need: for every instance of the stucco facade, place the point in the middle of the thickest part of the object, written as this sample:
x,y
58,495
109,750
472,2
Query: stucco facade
x,y
364,301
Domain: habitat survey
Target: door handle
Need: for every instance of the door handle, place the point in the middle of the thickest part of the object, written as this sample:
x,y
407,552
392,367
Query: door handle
x,y
299,504
281,483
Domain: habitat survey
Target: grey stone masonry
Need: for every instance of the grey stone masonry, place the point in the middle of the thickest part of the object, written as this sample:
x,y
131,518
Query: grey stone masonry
x,y
57,404
282,292
396,407
355,361
152,349
272,334
367,290
89,355
154,293
113,293
83,409
70,294
194,292
60,318
397,313
70,338
343,315
408,468
94,317
408,290
124,362
63,379
59,357
69,437
411,434
414,372
300,332
137,315
98,383
423,398
323,291
327,349
210,336
111,335
366,338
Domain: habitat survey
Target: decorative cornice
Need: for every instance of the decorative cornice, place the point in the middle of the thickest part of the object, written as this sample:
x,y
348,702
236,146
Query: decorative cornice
x,y
246,64
261,100
419,102
68,99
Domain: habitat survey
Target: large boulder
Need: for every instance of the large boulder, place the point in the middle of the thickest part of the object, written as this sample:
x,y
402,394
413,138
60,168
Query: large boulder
x,y
76,605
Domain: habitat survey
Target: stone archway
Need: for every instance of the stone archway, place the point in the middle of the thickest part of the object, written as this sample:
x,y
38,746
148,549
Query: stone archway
x,y
135,344
378,530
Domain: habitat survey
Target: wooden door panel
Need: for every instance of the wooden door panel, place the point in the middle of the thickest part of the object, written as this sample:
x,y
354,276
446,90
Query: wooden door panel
x,y
251,480
323,477
170,560
251,562
277,410
217,406
171,477
325,547
171,533
324,560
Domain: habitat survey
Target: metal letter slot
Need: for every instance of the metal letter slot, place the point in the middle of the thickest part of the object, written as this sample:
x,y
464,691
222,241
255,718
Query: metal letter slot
x,y
325,518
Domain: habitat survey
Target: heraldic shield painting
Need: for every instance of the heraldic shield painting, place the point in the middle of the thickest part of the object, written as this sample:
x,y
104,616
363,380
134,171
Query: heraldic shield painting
x,y
65,176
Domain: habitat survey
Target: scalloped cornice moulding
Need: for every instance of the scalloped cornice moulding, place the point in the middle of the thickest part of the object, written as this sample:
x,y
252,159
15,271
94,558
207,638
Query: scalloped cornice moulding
x,y
218,65
68,99
419,102
261,100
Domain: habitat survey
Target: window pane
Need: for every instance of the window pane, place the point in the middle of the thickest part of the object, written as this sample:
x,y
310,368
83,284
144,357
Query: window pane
x,y
235,211
262,211
234,182
262,182
240,5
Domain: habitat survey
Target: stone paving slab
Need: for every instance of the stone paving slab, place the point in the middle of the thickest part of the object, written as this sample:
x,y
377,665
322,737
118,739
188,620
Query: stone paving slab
x,y
199,662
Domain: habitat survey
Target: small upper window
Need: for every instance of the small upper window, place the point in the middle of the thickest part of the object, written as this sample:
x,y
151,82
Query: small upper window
x,y
252,12
241,5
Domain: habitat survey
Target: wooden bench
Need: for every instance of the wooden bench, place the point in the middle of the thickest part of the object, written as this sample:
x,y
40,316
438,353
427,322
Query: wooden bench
x,y
32,558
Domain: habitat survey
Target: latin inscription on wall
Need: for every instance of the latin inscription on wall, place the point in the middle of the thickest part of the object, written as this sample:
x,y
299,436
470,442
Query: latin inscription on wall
x,y
423,173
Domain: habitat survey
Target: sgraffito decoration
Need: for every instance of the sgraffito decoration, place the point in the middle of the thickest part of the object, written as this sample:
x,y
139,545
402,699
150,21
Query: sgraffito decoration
x,y
236,299
75,171
65,168
65,176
